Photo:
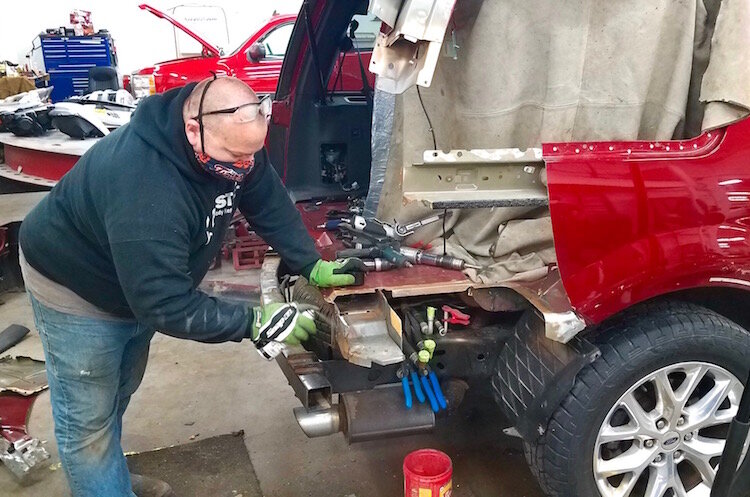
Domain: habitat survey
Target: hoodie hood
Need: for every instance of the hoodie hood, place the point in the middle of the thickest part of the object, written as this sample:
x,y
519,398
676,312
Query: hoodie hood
x,y
158,121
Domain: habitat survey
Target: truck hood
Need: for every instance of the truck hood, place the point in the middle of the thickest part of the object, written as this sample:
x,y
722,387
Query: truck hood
x,y
210,48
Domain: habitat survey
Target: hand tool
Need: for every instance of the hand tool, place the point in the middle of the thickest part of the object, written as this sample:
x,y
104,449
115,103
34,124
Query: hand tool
x,y
363,253
430,394
372,226
387,247
330,225
404,230
438,391
378,265
453,316
395,231
405,387
417,389
417,256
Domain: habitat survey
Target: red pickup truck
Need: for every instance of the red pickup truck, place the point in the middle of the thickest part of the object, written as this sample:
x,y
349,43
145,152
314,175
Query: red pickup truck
x,y
257,61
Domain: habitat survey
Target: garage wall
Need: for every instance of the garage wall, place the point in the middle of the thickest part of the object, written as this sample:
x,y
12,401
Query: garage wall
x,y
141,39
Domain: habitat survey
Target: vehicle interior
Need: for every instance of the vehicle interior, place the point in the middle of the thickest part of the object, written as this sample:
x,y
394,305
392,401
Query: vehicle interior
x,y
331,127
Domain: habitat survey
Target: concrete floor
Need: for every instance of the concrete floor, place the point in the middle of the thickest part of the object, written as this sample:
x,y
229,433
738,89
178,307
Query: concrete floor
x,y
198,390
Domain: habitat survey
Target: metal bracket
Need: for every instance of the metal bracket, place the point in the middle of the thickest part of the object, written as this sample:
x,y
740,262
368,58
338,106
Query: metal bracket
x,y
371,331
478,178
408,53
22,456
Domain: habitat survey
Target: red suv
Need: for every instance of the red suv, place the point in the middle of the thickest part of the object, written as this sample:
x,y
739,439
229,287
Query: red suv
x,y
620,368
257,61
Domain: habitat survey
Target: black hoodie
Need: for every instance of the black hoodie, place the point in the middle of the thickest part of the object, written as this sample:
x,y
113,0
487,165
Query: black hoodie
x,y
134,226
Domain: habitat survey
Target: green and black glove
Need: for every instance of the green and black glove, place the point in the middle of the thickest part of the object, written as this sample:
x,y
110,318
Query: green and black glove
x,y
277,324
326,274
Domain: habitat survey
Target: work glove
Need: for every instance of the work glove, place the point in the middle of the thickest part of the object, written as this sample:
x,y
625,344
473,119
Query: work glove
x,y
277,324
326,274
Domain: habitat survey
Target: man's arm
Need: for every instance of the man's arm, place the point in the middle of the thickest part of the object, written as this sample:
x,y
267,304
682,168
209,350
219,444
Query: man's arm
x,y
265,203
150,250
154,277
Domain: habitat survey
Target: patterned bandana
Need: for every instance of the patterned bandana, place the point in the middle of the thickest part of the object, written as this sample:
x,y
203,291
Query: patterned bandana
x,y
233,171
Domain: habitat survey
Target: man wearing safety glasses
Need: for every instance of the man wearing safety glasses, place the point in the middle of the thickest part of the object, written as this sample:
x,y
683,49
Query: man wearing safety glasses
x,y
117,249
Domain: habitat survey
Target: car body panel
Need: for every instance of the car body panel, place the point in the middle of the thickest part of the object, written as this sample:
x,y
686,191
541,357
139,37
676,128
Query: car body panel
x,y
636,220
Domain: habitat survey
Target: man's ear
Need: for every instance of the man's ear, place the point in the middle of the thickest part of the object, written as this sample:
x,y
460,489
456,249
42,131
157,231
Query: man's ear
x,y
193,133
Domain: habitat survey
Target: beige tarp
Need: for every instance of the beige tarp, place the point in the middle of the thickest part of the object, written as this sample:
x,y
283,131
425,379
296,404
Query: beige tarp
x,y
536,71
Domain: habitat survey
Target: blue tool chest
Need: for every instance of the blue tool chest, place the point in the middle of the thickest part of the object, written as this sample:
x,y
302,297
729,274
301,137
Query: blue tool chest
x,y
67,59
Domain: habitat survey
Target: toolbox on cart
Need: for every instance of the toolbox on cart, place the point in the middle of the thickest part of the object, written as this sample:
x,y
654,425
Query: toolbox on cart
x,y
68,59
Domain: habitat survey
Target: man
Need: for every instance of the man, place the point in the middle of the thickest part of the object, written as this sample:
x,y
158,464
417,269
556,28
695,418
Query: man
x,y
116,250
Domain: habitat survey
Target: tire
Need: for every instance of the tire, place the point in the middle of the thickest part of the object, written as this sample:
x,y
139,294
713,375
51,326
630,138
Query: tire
x,y
641,350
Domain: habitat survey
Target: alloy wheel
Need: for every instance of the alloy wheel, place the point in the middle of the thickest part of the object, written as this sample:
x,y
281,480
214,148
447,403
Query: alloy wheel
x,y
664,437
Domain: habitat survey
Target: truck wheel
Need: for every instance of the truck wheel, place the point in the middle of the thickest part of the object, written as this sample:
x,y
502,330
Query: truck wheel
x,y
650,416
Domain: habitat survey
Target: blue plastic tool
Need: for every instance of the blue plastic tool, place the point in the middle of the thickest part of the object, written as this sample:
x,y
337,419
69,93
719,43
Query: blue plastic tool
x,y
407,391
417,388
430,395
438,391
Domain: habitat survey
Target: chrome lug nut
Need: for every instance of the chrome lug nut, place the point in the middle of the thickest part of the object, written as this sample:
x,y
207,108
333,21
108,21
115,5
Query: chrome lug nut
x,y
661,424
658,458
688,437
681,421
677,454
649,444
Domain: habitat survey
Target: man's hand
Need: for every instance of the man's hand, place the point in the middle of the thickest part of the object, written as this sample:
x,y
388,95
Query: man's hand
x,y
346,272
277,324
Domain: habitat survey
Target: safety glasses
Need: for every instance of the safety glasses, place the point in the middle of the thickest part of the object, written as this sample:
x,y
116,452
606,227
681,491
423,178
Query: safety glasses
x,y
244,113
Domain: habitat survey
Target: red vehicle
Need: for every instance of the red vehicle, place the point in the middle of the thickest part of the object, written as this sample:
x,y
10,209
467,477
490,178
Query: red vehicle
x,y
257,61
620,370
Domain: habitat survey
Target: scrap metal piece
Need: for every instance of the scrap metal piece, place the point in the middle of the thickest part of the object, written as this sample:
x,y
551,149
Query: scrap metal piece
x,y
23,456
409,52
22,375
371,331
18,450
477,178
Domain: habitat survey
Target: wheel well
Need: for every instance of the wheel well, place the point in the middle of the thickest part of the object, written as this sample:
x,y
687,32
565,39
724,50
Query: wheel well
x,y
732,303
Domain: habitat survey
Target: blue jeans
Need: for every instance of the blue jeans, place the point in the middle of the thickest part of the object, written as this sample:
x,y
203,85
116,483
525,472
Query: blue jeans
x,y
93,367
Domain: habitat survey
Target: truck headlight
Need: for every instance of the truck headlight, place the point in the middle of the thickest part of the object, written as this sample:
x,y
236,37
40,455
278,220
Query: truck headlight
x,y
142,85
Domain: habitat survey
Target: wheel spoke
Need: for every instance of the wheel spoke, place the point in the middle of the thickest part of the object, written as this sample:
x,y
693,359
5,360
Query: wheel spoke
x,y
693,376
699,453
706,407
637,414
658,481
634,460
618,433
666,399
722,417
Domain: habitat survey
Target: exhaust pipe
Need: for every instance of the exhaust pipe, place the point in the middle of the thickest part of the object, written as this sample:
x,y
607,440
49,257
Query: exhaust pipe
x,y
367,415
318,422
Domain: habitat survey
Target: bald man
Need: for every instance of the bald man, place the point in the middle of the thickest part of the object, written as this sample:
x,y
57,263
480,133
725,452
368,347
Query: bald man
x,y
116,250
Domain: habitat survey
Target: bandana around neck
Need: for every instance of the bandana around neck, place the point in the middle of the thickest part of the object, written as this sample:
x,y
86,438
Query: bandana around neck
x,y
233,171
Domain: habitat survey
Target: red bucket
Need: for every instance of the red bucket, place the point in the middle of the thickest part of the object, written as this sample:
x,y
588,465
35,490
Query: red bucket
x,y
428,473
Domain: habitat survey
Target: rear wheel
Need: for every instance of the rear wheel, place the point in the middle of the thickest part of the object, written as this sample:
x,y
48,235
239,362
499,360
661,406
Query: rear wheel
x,y
649,418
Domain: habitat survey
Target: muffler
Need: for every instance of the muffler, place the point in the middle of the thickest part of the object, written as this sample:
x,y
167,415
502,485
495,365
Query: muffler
x,y
367,415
